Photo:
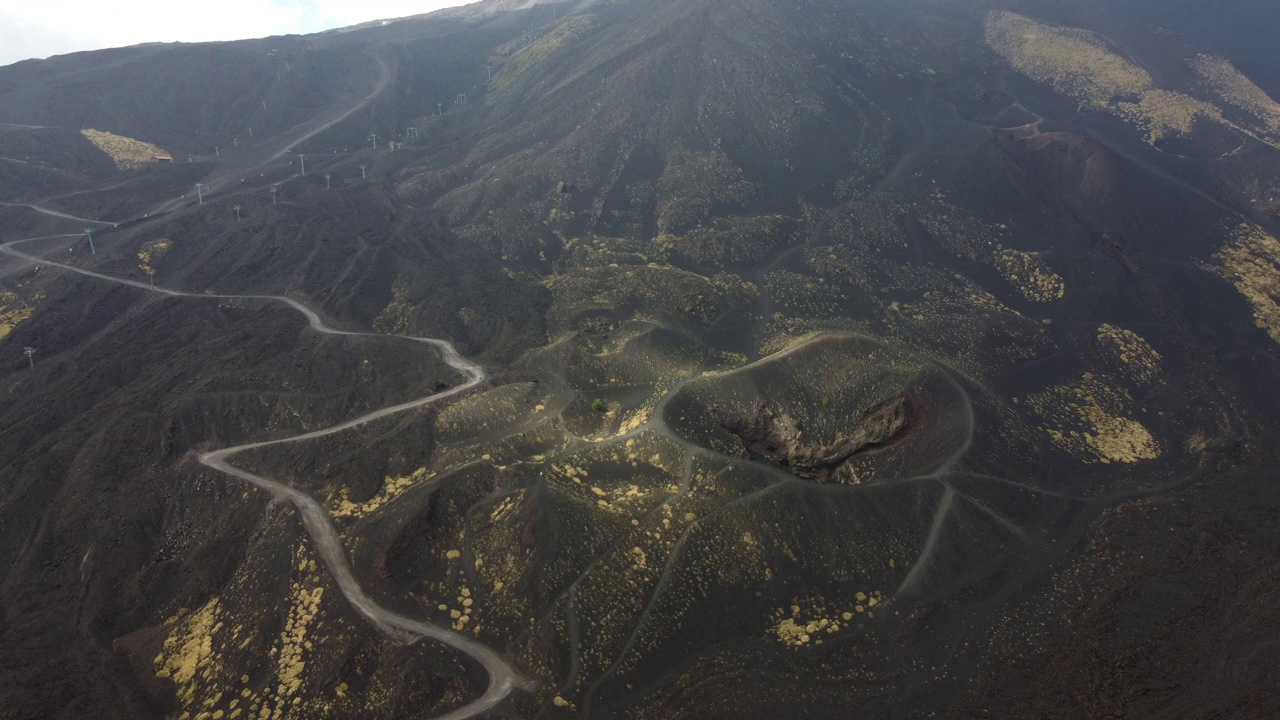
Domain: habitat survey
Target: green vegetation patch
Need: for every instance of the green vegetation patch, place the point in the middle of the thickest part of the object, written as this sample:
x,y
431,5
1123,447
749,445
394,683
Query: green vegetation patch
x,y
668,293
13,311
571,30
734,239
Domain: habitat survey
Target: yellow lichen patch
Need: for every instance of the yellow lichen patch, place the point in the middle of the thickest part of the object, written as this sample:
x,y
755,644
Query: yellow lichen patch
x,y
392,487
1119,439
1079,64
971,238
13,311
1086,419
152,251
985,300
799,627
125,151
505,507
662,291
1234,87
1131,351
188,653
635,421
786,336
493,410
1251,261
397,317
464,613
1074,62
792,633
732,239
293,640
1030,275
694,182
281,693
1165,113
641,558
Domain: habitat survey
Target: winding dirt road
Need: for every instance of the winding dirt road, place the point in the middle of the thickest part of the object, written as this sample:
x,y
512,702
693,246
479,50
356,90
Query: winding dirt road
x,y
215,181
503,678
57,214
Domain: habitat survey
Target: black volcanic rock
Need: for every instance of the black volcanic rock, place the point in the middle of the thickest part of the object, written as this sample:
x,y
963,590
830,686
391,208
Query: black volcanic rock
x,y
1026,280
40,161
775,435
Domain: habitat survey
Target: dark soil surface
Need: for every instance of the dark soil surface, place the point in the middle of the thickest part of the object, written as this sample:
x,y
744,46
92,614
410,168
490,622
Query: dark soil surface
x,y
1000,343
778,437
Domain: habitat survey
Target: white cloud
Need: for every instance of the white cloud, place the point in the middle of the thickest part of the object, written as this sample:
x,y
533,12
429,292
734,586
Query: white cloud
x,y
42,28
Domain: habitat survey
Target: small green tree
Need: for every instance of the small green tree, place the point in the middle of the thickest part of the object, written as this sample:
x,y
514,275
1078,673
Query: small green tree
x,y
597,405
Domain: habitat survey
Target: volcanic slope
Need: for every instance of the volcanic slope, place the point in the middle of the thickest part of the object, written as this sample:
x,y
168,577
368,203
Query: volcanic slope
x,y
838,357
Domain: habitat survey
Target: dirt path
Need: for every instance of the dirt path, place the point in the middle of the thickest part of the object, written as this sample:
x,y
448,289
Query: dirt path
x,y
57,214
503,678
214,182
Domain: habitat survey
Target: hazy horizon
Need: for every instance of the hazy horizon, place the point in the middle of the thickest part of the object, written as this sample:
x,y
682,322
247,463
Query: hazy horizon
x,y
42,30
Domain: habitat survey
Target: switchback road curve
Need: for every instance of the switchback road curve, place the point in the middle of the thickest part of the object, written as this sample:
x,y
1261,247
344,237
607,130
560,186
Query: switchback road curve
x,y
503,678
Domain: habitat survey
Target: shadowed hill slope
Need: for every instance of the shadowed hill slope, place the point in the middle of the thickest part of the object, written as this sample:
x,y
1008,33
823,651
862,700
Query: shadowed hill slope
x,y
41,161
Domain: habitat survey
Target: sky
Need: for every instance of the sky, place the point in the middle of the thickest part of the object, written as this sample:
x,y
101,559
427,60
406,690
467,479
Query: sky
x,y
40,28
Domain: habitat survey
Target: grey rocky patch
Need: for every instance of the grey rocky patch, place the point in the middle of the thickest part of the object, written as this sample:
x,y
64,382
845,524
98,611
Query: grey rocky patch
x,y
772,433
